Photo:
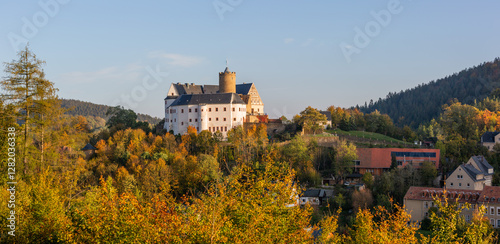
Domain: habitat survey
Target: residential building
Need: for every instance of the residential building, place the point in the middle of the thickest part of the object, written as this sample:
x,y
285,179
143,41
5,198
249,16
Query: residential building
x,y
489,139
418,201
312,196
378,160
328,115
474,175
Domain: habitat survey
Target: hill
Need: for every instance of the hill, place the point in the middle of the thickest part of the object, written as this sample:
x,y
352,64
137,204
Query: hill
x,y
423,103
97,110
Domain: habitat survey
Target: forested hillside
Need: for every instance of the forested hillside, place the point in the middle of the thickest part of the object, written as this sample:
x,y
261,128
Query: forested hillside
x,y
97,110
423,103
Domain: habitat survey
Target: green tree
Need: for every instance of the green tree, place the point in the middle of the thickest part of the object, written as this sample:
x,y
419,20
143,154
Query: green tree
x,y
368,180
428,173
346,153
124,118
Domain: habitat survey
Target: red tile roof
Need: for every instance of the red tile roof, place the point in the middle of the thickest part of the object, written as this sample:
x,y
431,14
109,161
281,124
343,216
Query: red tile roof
x,y
429,193
490,194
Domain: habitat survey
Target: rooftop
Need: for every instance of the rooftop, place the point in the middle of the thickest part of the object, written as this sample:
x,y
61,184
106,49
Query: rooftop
x,y
489,136
195,99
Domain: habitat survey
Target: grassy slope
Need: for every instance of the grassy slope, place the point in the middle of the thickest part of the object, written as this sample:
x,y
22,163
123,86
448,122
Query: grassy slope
x,y
367,135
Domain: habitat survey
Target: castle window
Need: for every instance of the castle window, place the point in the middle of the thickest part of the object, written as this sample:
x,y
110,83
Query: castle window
x,y
234,109
175,120
195,120
217,119
225,128
451,184
468,184
182,123
209,119
459,184
492,211
182,110
217,128
190,110
216,109
224,119
224,109
190,120
198,128
209,109
234,119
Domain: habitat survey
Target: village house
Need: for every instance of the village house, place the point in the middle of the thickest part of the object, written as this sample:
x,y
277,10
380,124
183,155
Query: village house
x,y
314,197
473,175
489,139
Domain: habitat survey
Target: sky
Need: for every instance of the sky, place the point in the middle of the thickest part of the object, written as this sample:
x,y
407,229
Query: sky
x,y
298,53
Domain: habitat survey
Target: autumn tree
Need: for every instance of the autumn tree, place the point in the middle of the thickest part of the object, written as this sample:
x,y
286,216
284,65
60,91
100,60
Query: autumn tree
x,y
382,226
311,120
32,95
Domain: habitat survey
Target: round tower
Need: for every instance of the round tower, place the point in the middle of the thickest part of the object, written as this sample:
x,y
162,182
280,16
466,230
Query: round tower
x,y
227,81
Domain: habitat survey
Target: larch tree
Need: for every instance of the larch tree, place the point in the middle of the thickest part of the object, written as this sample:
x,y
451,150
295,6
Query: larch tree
x,y
32,95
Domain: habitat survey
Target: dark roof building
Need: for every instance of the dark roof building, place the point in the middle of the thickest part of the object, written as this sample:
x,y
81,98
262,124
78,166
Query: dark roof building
x,y
88,147
328,115
191,89
314,193
482,165
490,139
224,98
478,173
489,136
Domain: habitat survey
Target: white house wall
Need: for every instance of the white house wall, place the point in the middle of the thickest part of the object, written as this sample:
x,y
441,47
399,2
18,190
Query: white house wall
x,y
211,117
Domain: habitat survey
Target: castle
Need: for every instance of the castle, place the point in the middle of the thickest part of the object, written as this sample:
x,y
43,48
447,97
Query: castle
x,y
211,107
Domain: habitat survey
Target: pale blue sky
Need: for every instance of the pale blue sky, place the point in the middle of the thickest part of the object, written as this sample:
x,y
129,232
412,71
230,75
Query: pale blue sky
x,y
105,51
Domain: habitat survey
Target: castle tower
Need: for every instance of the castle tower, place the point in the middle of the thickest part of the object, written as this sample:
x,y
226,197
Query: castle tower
x,y
227,81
